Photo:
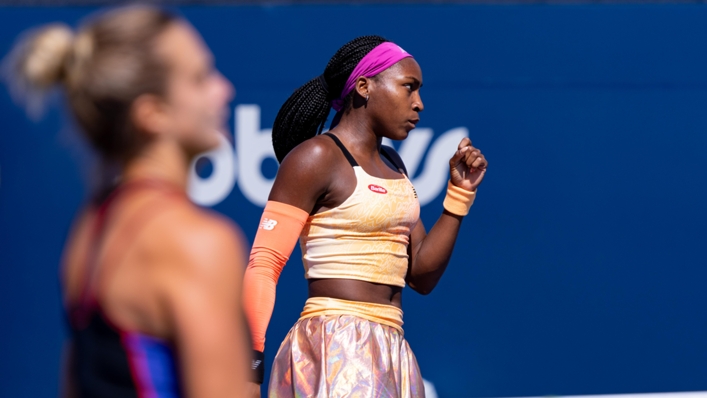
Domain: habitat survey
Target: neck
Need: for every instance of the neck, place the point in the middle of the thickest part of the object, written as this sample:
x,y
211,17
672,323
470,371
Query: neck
x,y
163,161
356,130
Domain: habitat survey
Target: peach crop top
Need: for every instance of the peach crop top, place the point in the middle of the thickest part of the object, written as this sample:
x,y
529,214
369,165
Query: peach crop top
x,y
367,236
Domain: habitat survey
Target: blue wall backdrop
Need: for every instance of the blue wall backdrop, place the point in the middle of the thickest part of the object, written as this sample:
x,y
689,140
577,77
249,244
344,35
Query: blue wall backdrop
x,y
581,268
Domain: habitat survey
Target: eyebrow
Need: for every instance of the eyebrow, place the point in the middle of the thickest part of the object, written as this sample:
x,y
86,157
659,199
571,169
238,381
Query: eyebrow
x,y
415,79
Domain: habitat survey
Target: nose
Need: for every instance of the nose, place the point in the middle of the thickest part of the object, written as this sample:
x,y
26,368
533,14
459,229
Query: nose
x,y
417,104
227,87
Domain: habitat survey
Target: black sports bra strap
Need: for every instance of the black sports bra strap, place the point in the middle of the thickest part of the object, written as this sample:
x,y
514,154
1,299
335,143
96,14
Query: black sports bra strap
x,y
395,161
341,146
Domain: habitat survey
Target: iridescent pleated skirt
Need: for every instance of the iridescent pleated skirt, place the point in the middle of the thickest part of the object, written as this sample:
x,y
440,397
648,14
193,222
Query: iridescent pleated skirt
x,y
342,348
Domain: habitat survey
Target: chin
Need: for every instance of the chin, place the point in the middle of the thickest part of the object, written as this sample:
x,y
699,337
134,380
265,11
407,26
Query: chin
x,y
205,144
402,135
209,145
214,136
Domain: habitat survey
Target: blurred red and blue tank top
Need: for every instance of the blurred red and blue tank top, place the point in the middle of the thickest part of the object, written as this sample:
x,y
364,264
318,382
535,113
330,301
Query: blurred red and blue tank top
x,y
109,362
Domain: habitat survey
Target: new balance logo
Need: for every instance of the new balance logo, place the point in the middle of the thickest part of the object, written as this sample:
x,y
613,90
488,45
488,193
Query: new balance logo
x,y
268,224
256,363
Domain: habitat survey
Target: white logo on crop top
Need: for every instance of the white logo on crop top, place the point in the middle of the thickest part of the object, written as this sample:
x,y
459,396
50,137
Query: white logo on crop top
x,y
253,145
377,189
268,224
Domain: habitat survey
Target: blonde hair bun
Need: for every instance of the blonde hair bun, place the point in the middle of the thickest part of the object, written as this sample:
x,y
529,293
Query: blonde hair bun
x,y
46,54
101,69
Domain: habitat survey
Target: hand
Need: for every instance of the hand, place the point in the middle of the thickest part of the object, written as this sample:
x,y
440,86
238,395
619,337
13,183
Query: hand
x,y
467,167
253,390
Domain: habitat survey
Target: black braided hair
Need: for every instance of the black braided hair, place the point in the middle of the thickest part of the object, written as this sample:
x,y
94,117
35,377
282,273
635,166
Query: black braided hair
x,y
303,115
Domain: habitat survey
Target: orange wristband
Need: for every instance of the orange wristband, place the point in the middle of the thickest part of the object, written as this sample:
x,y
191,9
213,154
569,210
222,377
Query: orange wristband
x,y
458,201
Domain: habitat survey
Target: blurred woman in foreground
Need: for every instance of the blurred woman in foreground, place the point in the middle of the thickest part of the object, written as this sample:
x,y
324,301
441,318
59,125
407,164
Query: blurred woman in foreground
x,y
152,283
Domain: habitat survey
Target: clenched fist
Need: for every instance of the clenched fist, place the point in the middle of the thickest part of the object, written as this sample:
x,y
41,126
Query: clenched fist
x,y
468,166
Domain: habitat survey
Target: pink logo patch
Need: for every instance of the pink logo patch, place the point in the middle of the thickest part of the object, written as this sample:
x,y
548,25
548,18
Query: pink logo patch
x,y
377,189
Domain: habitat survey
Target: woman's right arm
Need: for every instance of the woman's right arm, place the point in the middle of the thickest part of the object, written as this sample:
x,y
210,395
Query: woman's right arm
x,y
202,263
302,179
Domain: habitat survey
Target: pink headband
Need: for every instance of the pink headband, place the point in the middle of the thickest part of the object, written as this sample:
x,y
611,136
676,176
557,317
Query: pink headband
x,y
379,59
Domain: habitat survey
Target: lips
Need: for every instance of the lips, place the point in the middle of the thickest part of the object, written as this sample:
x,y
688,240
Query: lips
x,y
412,123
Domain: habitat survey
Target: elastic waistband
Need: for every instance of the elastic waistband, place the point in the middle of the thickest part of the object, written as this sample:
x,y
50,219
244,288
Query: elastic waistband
x,y
380,313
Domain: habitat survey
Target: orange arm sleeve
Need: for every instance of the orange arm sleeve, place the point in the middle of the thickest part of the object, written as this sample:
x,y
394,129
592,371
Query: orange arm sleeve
x,y
279,229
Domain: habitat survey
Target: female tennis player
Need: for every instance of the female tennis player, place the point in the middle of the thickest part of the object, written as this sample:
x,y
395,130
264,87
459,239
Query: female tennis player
x,y
349,201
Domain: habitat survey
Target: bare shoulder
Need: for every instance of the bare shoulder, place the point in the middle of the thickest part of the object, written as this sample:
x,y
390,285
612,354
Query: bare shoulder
x,y
307,173
311,155
200,260
196,240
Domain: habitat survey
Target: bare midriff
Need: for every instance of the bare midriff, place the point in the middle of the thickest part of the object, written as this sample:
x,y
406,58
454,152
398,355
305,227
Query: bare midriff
x,y
356,290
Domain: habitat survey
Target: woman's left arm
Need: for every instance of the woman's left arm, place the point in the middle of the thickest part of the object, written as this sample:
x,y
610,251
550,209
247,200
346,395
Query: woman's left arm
x,y
430,252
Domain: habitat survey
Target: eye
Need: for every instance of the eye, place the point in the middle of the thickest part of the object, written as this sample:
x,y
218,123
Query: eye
x,y
203,73
408,85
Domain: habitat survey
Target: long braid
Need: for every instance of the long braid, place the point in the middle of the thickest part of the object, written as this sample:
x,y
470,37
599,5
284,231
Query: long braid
x,y
303,115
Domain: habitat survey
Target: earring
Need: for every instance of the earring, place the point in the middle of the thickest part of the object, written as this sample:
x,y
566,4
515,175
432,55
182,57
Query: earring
x,y
366,98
